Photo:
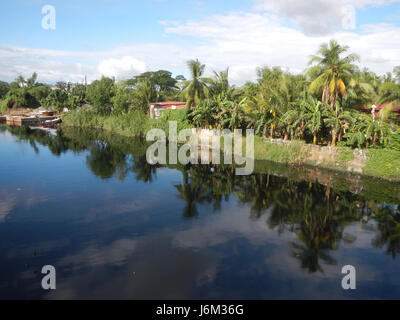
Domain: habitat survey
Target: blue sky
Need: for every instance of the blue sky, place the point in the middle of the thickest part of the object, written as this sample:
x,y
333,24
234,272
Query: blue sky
x,y
122,37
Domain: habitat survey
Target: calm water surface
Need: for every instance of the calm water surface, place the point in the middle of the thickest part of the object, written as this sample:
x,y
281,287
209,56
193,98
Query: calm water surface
x,y
115,227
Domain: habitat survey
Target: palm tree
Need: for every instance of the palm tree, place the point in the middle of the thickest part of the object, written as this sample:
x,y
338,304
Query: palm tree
x,y
219,85
147,93
195,89
314,114
331,71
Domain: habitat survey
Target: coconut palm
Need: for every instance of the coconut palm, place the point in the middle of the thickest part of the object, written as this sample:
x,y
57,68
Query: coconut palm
x,y
195,89
332,71
219,85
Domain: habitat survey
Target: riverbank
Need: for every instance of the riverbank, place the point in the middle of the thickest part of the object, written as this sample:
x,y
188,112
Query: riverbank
x,y
377,163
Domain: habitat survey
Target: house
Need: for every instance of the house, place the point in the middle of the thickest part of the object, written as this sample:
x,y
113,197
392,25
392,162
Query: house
x,y
157,108
395,109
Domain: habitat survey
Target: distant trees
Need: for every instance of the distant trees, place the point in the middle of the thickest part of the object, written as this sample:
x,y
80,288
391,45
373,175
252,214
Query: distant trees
x,y
320,106
4,88
100,94
56,99
25,92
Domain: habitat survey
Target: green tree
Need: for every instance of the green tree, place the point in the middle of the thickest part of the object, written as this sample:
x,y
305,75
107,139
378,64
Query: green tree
x,y
219,85
100,93
332,71
337,120
195,89
314,114
56,99
4,88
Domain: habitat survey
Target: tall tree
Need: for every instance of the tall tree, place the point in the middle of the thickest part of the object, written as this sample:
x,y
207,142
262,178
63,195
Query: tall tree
x,y
196,88
332,71
100,93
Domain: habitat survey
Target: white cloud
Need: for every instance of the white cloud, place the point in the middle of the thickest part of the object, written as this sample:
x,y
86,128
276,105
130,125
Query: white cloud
x,y
239,40
121,68
317,17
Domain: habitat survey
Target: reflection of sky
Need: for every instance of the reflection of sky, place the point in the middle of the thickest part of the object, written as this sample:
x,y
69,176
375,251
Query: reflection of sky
x,y
109,239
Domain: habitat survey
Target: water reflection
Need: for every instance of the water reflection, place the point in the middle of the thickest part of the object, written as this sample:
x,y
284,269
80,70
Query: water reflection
x,y
315,220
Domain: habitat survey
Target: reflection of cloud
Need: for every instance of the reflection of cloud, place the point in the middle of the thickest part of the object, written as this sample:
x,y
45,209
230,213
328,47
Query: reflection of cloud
x,y
230,224
149,267
9,200
128,207
6,205
94,255
276,262
143,203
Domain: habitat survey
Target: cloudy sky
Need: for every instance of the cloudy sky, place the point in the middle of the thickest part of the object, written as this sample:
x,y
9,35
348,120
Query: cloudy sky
x,y
122,38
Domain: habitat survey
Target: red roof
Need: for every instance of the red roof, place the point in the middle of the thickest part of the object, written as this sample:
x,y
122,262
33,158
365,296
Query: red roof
x,y
169,103
380,107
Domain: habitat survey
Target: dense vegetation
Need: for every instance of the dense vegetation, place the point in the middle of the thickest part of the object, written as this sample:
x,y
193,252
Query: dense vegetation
x,y
320,106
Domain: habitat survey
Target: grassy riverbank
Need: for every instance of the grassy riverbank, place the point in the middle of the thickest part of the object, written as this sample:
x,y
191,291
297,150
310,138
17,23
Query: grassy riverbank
x,y
380,163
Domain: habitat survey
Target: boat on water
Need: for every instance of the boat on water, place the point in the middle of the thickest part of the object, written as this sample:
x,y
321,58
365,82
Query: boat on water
x,y
50,131
50,123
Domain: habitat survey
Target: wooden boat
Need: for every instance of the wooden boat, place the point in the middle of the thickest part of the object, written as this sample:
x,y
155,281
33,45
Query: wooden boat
x,y
50,123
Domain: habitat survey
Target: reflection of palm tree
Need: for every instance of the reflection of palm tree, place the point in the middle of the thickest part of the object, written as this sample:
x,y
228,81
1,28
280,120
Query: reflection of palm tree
x,y
191,193
317,219
143,170
389,229
255,190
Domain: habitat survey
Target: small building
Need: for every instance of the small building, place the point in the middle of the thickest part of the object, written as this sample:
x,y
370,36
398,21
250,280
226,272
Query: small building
x,y
157,108
365,109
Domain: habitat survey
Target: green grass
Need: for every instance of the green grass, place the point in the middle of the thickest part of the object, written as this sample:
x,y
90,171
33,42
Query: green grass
x,y
383,163
132,124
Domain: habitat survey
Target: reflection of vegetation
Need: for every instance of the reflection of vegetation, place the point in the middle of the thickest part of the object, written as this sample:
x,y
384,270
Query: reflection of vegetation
x,y
389,228
317,214
106,161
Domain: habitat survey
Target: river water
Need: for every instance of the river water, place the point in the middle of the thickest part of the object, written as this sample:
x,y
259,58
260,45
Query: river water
x,y
115,227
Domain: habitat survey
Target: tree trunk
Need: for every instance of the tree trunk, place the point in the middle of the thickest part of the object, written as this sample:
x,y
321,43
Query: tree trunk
x,y
333,137
315,139
333,101
325,94
286,136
